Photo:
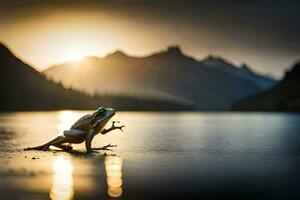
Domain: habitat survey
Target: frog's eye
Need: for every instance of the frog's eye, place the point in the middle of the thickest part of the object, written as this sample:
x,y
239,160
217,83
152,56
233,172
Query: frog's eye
x,y
101,111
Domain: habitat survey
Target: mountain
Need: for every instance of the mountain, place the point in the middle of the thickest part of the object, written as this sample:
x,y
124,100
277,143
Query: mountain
x,y
244,71
211,84
24,88
285,96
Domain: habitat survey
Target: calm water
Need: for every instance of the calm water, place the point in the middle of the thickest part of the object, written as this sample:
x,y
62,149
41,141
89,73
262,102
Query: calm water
x,y
159,156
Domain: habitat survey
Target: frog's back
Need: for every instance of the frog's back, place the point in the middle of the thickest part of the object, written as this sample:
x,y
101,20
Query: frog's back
x,y
83,123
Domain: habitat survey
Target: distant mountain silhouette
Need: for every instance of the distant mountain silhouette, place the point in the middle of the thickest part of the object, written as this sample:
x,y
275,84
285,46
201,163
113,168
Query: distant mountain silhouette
x,y
244,72
211,84
24,88
285,96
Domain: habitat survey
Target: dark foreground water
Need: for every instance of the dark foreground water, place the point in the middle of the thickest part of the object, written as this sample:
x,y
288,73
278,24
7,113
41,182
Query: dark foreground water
x,y
160,156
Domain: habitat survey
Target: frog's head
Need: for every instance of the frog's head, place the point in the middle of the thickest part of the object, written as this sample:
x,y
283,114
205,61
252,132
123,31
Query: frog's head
x,y
103,115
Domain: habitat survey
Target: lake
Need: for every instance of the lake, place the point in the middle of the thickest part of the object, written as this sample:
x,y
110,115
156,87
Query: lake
x,y
177,155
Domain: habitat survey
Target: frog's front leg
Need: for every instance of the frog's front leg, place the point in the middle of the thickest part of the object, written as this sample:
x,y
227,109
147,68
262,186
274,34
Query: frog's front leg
x,y
106,147
113,127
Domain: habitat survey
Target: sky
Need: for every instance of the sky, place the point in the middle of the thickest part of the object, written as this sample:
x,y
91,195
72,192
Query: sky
x,y
263,34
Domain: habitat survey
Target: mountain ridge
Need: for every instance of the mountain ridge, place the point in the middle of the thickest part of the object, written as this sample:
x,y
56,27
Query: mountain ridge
x,y
285,96
24,88
169,74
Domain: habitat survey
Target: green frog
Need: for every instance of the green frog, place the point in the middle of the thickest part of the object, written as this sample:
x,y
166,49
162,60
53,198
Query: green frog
x,y
84,130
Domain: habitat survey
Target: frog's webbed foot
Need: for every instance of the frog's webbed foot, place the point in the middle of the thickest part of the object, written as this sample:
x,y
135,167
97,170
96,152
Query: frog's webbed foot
x,y
106,147
46,148
117,127
42,147
113,127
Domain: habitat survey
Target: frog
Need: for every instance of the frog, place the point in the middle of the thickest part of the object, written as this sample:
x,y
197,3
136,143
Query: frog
x,y
84,130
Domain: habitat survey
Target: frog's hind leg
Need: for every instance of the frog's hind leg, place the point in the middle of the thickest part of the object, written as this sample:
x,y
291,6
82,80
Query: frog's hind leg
x,y
58,142
62,143
46,146
64,147
41,147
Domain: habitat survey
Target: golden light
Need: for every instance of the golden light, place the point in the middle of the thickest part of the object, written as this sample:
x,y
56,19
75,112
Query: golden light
x,y
75,56
66,120
62,184
67,115
113,168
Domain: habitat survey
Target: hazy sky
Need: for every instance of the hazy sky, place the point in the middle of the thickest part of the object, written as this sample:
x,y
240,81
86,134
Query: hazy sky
x,y
264,34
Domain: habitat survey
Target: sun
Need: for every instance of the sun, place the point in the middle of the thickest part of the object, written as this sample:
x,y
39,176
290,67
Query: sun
x,y
75,56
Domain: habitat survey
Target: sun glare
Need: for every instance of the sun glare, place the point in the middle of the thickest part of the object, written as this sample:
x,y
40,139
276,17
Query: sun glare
x,y
66,119
75,56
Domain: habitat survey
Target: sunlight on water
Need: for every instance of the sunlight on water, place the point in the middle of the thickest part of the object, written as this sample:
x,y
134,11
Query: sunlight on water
x,y
62,185
113,168
192,151
66,120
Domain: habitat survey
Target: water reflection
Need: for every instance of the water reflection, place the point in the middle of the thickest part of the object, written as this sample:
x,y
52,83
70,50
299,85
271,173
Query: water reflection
x,y
113,168
62,185
246,142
